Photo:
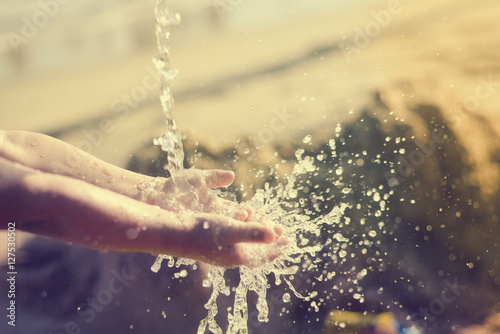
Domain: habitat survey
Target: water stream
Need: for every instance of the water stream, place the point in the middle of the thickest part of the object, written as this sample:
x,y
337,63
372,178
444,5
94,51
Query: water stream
x,y
171,140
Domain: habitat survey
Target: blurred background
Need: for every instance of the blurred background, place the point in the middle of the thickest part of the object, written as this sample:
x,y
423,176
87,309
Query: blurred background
x,y
65,67
258,76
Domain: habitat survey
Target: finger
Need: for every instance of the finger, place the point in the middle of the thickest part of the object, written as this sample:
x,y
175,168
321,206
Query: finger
x,y
218,178
246,232
282,241
249,211
230,209
240,214
250,255
278,229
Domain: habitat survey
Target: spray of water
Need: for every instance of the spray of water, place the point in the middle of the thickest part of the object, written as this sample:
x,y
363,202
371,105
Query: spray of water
x,y
304,208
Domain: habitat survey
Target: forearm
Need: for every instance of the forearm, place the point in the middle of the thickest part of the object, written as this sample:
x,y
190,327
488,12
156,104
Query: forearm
x,y
75,211
14,202
51,155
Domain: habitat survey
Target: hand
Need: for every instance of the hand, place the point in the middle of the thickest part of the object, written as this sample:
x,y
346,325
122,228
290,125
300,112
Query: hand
x,y
101,206
226,242
219,239
190,190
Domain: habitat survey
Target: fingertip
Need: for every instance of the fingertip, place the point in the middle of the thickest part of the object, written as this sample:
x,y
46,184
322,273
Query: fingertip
x,y
249,211
241,215
225,177
268,235
244,213
261,234
219,178
278,229
283,241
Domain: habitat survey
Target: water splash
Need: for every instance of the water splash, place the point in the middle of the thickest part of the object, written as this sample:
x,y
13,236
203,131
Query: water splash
x,y
315,204
303,204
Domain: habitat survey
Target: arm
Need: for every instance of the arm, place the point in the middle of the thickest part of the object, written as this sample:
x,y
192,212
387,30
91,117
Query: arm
x,y
187,190
50,155
178,216
75,211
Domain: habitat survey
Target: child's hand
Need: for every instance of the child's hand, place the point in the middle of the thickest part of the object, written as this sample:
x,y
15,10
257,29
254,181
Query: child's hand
x,y
214,230
101,206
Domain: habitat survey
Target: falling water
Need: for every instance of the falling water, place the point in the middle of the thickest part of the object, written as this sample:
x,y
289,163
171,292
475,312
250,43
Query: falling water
x,y
171,140
297,204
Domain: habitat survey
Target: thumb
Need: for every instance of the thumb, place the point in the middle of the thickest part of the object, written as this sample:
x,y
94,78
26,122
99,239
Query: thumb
x,y
219,178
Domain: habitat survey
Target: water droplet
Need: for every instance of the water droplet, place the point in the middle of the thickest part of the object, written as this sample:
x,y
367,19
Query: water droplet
x,y
262,317
331,143
131,233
